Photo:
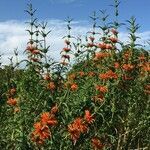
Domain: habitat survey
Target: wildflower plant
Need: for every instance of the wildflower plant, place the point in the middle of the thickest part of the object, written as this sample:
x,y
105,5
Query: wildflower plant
x,y
100,101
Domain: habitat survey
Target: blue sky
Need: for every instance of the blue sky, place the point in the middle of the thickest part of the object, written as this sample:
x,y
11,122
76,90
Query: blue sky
x,y
13,18
78,9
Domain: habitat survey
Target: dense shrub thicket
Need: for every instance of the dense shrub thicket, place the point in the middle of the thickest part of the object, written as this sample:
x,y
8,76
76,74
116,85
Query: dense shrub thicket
x,y
100,102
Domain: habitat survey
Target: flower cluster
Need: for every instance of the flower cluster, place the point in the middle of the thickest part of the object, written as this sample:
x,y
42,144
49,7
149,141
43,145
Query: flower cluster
x,y
33,53
41,130
97,144
108,75
80,126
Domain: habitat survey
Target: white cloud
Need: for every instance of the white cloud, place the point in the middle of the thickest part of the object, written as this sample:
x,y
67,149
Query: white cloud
x,y
13,35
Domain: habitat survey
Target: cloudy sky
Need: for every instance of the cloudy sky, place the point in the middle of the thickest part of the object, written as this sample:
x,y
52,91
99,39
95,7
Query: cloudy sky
x,y
13,18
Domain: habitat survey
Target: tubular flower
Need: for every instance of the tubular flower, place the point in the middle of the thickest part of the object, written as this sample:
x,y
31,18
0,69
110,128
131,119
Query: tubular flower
x,y
127,67
51,86
66,49
74,133
66,57
103,76
47,77
74,87
12,101
92,38
91,74
40,133
34,59
48,119
116,65
81,73
100,55
97,144
126,55
112,75
146,67
109,46
30,48
102,89
76,128
114,31
35,52
102,46
108,75
90,45
113,39
88,117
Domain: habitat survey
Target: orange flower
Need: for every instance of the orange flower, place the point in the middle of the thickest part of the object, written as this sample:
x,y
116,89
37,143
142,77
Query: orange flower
x,y
108,75
127,67
97,144
116,65
126,55
102,89
109,46
47,77
45,117
51,86
91,74
102,46
88,117
112,74
30,48
103,76
36,51
74,87
40,133
48,119
80,125
76,128
66,49
34,59
114,31
146,67
113,39
90,45
81,73
91,38
66,57
100,55
74,133
12,101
